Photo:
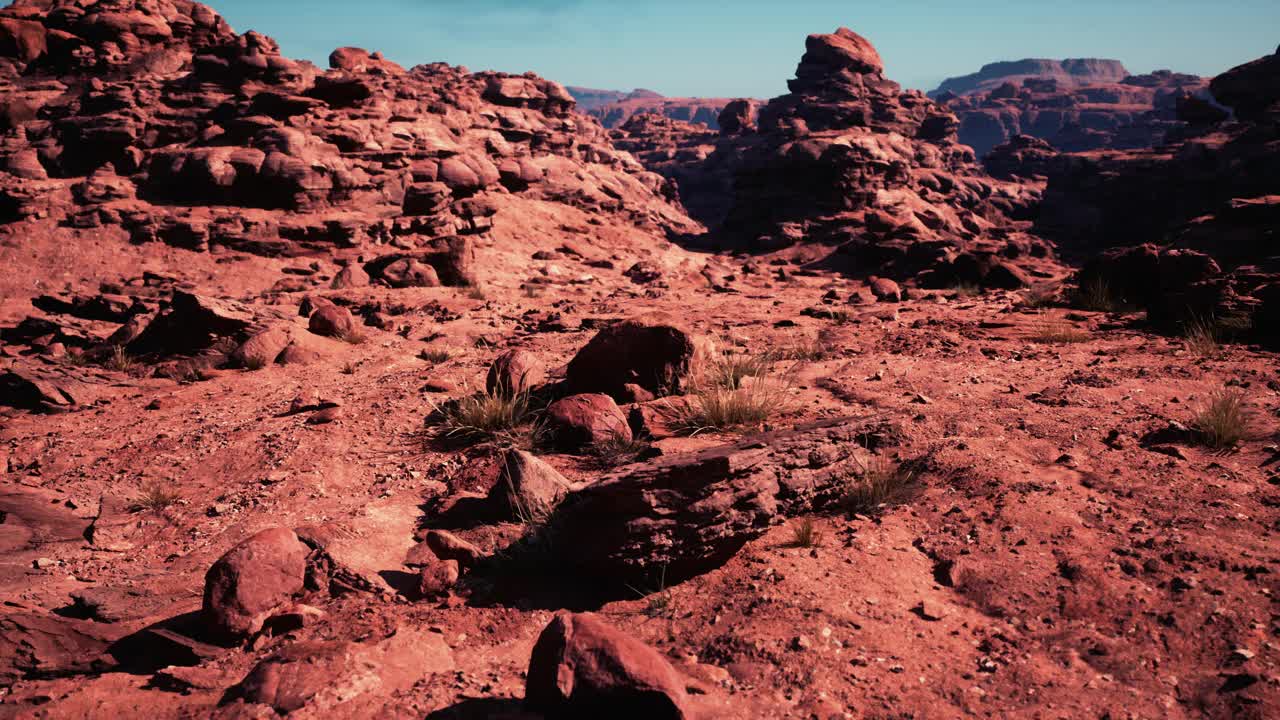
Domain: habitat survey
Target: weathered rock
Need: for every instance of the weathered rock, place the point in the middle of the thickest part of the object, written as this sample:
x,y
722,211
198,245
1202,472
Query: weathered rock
x,y
252,581
687,514
343,677
333,321
515,372
652,351
582,667
448,546
263,348
191,323
437,578
528,486
351,276
885,289
38,644
581,421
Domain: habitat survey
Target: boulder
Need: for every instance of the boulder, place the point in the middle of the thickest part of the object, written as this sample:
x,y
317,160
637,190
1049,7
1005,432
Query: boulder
x,y
515,372
529,487
351,679
582,667
652,351
351,276
263,348
579,422
253,581
884,289
332,321
437,578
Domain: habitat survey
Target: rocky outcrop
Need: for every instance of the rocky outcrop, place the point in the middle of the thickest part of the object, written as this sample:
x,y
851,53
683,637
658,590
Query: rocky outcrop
x,y
1196,219
850,161
686,515
252,582
157,118
1074,113
1072,72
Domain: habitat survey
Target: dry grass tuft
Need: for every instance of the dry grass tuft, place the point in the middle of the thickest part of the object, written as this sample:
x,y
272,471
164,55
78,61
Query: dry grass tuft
x,y
714,407
618,451
1038,298
805,533
436,355
349,367
1223,421
875,484
353,337
156,497
1095,294
966,290
1201,336
808,348
484,416
120,360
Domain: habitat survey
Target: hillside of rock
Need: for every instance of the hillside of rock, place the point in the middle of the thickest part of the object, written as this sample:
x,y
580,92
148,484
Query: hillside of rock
x,y
1072,72
1129,113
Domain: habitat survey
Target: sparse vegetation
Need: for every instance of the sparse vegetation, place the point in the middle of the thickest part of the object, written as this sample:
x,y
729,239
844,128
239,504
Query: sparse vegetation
x,y
808,348
349,367
120,360
730,370
966,290
190,371
1201,336
805,533
256,362
1223,420
713,407
1059,332
1095,294
617,451
156,497
1038,298
532,290
660,603
476,292
435,355
874,484
484,416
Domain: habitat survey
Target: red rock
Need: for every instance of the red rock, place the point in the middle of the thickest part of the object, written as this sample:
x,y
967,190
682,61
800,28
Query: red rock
x,y
885,289
252,581
528,486
515,372
652,351
583,667
437,578
332,321
581,421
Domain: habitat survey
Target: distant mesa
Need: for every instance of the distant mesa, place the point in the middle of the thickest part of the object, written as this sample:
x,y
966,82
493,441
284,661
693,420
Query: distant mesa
x,y
1072,72
613,108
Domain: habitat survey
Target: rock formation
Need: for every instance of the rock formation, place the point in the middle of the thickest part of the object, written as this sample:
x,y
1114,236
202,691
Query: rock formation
x,y
1072,72
850,162
1073,113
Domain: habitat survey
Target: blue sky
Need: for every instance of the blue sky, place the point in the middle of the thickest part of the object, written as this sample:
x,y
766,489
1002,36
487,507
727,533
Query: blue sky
x,y
750,47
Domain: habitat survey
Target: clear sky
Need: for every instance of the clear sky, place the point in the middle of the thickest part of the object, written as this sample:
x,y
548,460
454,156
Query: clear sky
x,y
736,48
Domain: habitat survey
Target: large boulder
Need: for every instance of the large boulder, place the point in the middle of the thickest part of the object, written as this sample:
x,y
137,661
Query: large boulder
x,y
580,422
582,667
333,321
252,582
652,351
515,372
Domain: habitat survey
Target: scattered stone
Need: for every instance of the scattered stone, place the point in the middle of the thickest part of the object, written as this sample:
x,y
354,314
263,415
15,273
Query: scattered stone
x,y
530,487
578,422
652,351
437,578
583,667
253,581
515,372
332,321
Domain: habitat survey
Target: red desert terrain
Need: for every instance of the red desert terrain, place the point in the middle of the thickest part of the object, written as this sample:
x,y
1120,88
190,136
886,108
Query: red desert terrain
x,y
415,393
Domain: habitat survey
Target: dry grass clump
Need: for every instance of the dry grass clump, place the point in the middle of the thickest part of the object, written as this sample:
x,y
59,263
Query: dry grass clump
x,y
805,533
1201,336
476,292
353,337
436,355
1059,332
120,360
808,348
617,451
156,497
484,416
1223,420
1039,298
1095,294
713,407
875,484
966,290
